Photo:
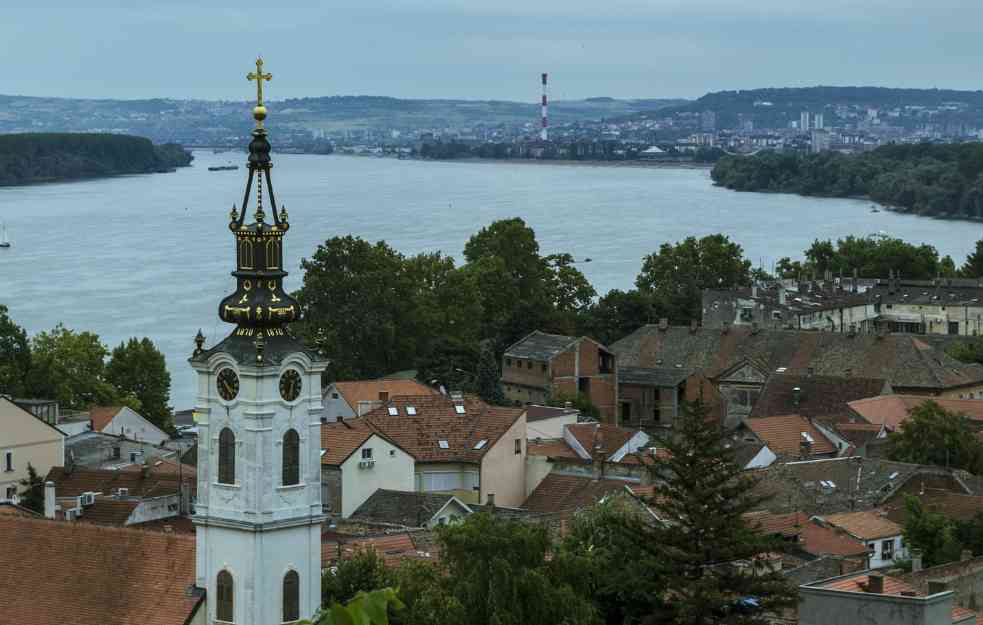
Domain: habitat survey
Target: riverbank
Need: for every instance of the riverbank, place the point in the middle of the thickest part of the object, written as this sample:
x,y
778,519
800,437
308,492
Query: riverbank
x,y
544,161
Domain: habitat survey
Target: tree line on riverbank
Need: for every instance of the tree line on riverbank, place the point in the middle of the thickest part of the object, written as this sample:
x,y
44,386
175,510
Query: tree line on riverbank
x,y
928,179
50,157
374,310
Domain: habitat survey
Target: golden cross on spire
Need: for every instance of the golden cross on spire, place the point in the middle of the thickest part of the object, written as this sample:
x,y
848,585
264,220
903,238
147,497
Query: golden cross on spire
x,y
259,77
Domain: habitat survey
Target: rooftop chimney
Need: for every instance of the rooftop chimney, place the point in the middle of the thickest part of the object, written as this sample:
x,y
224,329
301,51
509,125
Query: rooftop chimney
x,y
663,324
916,560
875,584
693,325
725,328
754,291
796,397
754,327
491,500
782,296
50,502
966,554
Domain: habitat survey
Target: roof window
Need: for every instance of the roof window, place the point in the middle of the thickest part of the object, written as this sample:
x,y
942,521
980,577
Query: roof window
x,y
410,410
459,408
481,444
393,411
807,437
443,444
893,475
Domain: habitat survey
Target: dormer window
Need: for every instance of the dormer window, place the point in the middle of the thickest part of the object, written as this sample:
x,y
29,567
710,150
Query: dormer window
x,y
411,411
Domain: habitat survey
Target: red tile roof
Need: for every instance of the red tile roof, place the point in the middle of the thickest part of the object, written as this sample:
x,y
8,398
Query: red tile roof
x,y
569,493
891,410
340,439
11,509
810,536
600,438
554,448
102,415
369,390
56,573
394,548
437,420
783,434
140,484
109,511
866,525
860,583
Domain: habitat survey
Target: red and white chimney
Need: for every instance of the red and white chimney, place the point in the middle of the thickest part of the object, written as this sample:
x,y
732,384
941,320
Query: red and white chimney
x,y
544,131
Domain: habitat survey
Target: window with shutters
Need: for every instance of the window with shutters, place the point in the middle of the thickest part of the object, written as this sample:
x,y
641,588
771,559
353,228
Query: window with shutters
x,y
291,458
291,597
226,457
224,601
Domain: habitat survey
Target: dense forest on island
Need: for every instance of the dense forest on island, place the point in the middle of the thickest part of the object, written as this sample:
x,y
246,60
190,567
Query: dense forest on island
x,y
31,158
928,179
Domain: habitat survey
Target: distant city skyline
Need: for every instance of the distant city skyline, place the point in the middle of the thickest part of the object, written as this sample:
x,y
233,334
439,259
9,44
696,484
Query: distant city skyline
x,y
483,50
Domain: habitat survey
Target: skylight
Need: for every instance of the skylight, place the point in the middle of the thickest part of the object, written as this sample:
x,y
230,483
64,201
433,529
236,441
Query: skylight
x,y
807,437
893,475
393,411
410,410
443,444
459,408
480,444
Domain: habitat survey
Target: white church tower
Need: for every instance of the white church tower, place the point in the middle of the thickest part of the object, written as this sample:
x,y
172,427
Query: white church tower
x,y
258,514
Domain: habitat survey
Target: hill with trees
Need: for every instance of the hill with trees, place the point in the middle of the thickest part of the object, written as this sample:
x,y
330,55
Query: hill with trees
x,y
928,179
32,158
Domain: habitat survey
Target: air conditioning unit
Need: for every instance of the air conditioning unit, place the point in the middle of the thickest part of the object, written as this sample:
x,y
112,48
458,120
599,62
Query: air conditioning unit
x,y
73,514
122,492
87,499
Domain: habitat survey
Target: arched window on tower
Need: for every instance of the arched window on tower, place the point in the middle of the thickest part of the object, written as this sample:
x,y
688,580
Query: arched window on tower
x,y
291,597
226,457
246,254
225,599
291,458
272,257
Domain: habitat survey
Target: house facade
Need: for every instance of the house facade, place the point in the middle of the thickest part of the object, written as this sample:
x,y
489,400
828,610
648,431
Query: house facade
x,y
544,366
25,440
126,422
344,400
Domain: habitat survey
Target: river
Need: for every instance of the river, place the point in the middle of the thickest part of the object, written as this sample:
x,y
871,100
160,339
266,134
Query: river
x,y
150,255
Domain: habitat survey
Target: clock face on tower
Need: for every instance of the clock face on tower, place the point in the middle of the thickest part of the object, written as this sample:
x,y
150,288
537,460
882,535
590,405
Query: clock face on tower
x,y
290,385
228,384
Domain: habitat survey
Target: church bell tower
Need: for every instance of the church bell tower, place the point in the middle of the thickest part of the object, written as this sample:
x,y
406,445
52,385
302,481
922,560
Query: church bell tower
x,y
258,513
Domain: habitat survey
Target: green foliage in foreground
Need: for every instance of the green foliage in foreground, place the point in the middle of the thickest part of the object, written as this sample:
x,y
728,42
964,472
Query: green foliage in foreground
x,y
933,435
34,157
366,608
939,180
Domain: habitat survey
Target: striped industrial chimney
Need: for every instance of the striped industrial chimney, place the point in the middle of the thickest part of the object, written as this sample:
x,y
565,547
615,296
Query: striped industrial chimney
x,y
544,132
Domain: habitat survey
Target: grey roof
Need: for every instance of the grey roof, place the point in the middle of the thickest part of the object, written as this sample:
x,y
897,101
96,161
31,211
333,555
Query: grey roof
x,y
501,511
851,484
540,346
535,412
664,377
397,507
905,361
745,452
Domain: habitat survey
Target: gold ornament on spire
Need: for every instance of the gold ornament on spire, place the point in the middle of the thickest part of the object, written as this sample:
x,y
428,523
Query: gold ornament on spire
x,y
259,111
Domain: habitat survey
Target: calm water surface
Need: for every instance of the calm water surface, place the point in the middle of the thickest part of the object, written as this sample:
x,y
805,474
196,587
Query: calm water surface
x,y
151,255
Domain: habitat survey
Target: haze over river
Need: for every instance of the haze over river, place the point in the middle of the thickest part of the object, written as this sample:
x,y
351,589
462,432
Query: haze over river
x,y
150,255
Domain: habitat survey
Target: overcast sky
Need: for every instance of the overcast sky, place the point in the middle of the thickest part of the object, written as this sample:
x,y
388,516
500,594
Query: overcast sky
x,y
483,49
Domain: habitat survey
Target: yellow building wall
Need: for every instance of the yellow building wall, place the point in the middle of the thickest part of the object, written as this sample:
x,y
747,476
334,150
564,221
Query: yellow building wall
x,y
503,472
30,441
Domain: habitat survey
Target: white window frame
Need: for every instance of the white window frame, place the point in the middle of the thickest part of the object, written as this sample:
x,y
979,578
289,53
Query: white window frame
x,y
366,453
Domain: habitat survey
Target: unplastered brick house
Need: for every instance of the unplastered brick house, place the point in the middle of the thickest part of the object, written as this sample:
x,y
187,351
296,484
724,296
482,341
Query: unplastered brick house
x,y
545,366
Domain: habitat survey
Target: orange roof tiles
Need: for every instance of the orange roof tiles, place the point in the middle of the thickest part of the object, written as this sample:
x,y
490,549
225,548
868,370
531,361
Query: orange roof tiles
x,y
56,573
340,439
783,434
866,525
600,438
358,391
555,448
109,511
860,583
140,484
569,493
393,548
892,410
102,415
436,419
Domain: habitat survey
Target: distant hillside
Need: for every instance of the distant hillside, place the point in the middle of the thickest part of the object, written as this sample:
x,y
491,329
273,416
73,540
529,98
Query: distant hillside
x,y
183,120
32,158
773,108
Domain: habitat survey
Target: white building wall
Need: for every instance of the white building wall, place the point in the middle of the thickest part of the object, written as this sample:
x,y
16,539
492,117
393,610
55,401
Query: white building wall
x,y
335,406
549,428
877,558
133,426
392,469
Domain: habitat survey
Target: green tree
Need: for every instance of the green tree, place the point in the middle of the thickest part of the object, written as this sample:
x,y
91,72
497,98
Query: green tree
x,y
570,293
366,608
70,367
15,357
138,368
618,314
423,589
676,275
625,579
32,497
579,401
498,571
364,571
488,380
706,495
973,267
450,363
933,435
357,300
931,532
